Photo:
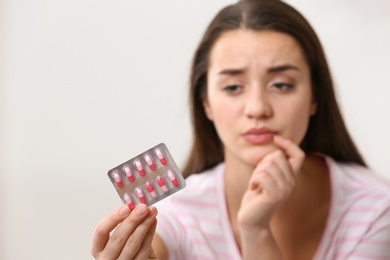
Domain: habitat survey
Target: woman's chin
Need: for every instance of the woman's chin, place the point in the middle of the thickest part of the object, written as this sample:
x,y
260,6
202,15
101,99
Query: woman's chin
x,y
255,155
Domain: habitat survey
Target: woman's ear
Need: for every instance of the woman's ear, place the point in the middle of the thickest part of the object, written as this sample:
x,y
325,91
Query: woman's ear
x,y
207,109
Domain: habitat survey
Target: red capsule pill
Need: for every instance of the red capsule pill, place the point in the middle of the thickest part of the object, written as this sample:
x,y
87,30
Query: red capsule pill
x,y
172,177
150,188
139,167
140,195
129,201
160,156
118,179
129,174
150,162
161,183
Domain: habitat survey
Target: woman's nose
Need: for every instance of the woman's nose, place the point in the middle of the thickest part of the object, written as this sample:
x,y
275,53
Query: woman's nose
x,y
257,105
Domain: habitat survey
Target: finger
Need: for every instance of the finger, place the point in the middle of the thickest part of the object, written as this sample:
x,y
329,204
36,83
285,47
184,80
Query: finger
x,y
270,167
280,159
146,250
122,233
134,240
265,184
294,154
104,228
272,184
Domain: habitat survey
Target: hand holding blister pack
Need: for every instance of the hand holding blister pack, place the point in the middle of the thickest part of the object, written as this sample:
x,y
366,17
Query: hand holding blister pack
x,y
148,177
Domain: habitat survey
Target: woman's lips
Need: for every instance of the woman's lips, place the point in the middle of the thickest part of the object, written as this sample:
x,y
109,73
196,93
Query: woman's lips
x,y
259,136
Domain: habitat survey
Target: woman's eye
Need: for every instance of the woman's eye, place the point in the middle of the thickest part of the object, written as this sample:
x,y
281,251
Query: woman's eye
x,y
283,86
232,88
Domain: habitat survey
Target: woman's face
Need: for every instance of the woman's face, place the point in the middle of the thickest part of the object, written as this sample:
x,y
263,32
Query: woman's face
x,y
258,87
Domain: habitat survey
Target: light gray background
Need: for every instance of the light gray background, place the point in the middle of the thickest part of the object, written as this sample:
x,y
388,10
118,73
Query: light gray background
x,y
88,84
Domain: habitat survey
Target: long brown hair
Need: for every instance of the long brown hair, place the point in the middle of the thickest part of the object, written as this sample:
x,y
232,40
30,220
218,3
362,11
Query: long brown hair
x,y
326,132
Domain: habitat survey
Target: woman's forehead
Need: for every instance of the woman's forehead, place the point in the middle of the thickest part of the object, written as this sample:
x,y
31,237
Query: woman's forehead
x,y
239,48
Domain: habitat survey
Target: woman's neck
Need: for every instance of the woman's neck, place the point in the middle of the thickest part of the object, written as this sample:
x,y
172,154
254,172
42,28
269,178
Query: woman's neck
x,y
237,175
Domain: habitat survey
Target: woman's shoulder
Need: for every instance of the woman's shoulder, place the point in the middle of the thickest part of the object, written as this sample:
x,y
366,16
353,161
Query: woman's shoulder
x,y
357,179
359,217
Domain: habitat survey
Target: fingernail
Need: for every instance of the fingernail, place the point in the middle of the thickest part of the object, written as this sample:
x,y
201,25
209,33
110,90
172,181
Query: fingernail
x,y
141,209
124,210
152,209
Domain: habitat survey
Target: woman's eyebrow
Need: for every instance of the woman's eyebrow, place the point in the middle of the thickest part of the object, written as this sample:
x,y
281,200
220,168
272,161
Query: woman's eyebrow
x,y
279,68
231,72
282,68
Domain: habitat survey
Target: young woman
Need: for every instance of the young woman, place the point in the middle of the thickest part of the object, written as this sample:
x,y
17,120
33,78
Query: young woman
x,y
273,172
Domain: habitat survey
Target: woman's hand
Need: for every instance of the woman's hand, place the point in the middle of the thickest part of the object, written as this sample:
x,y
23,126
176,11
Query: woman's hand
x,y
269,186
271,183
132,237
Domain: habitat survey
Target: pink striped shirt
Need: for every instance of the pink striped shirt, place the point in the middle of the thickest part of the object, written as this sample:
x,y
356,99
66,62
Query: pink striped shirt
x,y
194,222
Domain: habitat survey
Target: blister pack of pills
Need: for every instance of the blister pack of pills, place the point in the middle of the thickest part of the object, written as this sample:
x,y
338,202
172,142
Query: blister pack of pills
x,y
148,177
